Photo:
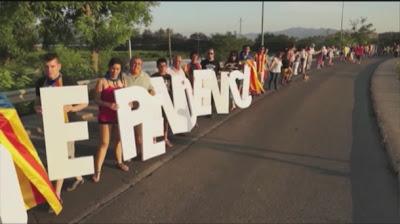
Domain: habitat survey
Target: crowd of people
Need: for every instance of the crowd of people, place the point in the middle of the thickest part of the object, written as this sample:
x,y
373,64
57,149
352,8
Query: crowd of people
x,y
391,50
270,72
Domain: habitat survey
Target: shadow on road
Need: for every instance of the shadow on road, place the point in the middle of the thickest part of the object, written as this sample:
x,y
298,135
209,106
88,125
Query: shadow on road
x,y
260,153
374,187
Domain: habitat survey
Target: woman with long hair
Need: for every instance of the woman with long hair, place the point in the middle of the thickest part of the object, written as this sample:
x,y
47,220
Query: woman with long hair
x,y
107,116
261,61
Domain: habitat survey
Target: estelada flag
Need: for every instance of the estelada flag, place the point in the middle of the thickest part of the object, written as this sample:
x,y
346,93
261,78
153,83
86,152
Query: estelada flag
x,y
35,185
255,84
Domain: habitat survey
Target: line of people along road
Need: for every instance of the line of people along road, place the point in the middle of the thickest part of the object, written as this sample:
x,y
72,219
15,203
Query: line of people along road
x,y
267,74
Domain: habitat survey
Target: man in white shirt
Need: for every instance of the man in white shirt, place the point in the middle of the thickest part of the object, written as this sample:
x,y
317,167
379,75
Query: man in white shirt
x,y
176,68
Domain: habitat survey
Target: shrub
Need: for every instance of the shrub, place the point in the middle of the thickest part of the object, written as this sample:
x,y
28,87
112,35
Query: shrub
x,y
6,81
74,64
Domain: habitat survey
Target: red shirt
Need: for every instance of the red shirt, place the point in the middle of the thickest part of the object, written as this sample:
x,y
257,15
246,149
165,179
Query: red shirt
x,y
359,51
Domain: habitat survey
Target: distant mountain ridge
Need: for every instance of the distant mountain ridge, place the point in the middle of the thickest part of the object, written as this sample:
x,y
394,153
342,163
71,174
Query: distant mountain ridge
x,y
298,32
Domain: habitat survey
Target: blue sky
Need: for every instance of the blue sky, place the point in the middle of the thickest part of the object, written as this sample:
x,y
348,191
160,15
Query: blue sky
x,y
219,17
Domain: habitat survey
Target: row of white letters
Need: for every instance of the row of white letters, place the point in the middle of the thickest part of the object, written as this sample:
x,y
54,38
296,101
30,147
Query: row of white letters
x,y
181,114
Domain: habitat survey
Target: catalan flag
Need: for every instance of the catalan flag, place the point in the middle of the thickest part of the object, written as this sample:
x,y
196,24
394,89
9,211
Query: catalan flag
x,y
35,185
255,84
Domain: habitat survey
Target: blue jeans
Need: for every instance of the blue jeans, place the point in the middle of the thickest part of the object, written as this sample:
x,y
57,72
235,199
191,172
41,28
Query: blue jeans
x,y
273,78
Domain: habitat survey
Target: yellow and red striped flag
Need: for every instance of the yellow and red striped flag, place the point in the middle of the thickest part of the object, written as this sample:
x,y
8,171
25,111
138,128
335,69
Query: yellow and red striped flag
x,y
35,185
255,84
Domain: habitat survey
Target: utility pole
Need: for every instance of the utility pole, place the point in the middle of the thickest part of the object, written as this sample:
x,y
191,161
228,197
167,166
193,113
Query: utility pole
x,y
240,27
130,48
198,43
262,24
169,46
341,29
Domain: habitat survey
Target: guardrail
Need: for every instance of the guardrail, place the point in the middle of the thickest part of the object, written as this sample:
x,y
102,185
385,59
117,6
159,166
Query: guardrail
x,y
27,95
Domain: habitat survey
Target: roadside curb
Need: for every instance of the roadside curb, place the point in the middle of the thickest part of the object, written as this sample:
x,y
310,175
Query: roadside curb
x,y
385,98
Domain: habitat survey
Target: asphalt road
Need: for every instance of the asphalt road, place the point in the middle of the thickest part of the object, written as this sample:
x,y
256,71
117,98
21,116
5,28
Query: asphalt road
x,y
308,153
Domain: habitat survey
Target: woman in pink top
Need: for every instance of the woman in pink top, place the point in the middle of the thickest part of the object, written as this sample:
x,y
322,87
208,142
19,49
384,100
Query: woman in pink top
x,y
107,116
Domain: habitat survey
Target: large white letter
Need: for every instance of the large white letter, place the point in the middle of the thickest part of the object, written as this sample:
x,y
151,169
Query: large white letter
x,y
221,98
57,133
243,101
12,208
190,99
205,84
148,113
178,113
202,95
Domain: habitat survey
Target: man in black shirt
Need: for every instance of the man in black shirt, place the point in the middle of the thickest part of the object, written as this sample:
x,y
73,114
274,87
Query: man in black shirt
x,y
210,62
162,72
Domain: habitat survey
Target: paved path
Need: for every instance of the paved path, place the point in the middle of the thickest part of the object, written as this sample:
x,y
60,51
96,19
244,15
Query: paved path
x,y
307,153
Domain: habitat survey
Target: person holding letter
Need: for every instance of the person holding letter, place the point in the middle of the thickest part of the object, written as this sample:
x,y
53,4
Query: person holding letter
x,y
176,68
138,77
191,66
107,116
162,72
53,78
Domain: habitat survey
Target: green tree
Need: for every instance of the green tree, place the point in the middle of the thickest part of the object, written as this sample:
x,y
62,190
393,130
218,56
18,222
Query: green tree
x,y
362,32
199,42
99,26
105,25
55,23
388,38
18,29
306,42
224,43
275,42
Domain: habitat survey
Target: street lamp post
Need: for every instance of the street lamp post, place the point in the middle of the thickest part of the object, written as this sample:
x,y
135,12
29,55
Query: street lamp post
x,y
169,46
262,24
341,28
240,27
198,43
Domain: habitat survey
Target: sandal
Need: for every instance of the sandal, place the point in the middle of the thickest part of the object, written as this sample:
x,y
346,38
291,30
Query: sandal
x,y
76,184
96,177
123,167
168,143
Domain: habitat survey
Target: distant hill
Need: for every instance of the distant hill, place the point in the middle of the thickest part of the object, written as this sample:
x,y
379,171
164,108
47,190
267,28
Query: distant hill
x,y
251,36
298,32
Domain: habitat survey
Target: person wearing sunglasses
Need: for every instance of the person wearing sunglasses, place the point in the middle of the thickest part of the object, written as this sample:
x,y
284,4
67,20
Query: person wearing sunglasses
x,y
210,62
